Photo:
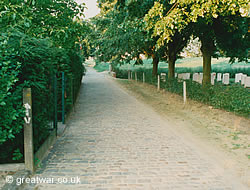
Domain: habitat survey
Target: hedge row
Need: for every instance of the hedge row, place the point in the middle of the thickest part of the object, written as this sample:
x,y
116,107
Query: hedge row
x,y
28,62
234,98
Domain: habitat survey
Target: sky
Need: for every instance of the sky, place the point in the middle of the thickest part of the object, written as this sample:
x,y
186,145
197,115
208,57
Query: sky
x,y
92,8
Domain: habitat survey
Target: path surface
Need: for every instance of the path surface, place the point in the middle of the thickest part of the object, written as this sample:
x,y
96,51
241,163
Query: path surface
x,y
116,142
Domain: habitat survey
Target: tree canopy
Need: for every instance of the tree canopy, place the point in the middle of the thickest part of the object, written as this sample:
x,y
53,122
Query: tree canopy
x,y
161,29
218,24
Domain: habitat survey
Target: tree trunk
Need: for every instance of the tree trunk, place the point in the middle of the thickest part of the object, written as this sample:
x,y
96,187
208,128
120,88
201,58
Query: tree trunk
x,y
207,49
171,65
155,65
206,68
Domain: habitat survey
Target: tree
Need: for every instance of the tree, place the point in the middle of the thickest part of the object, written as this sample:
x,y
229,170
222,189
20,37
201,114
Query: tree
x,y
143,40
38,38
204,17
57,19
121,33
173,44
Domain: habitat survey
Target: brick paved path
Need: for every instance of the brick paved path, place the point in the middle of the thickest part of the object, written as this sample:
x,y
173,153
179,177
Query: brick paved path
x,y
115,142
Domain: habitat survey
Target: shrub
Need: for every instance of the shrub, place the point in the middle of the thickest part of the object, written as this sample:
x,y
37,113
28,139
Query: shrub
x,y
28,62
234,98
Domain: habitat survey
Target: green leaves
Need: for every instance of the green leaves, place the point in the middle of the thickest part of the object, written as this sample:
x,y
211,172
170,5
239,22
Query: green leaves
x,y
37,39
17,155
120,31
57,19
184,12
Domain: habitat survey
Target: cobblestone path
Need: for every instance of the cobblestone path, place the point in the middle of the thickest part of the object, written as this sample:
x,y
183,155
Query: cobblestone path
x,y
114,142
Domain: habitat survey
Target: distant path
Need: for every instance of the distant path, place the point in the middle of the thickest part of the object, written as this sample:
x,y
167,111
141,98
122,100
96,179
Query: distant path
x,y
116,142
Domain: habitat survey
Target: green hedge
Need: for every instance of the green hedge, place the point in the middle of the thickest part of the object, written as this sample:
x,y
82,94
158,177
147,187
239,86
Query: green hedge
x,y
28,62
101,66
234,98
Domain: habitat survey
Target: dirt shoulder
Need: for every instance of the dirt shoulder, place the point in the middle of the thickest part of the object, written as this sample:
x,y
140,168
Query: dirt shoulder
x,y
225,135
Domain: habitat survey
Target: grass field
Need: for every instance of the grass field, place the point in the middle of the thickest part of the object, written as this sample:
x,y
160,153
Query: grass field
x,y
190,65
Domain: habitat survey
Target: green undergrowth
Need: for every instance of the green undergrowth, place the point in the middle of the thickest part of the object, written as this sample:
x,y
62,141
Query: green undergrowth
x,y
100,67
234,97
29,62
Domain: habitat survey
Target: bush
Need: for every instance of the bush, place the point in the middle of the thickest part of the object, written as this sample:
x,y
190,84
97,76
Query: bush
x,y
234,98
11,110
28,62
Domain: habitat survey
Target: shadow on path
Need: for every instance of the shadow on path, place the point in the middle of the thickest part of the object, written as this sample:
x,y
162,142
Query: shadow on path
x,y
115,142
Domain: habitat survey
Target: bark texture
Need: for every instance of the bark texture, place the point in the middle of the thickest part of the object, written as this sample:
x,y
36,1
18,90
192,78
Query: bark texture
x,y
171,65
155,65
207,49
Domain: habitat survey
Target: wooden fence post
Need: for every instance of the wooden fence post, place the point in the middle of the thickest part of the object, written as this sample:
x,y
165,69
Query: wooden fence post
x,y
159,81
143,77
110,68
184,92
28,130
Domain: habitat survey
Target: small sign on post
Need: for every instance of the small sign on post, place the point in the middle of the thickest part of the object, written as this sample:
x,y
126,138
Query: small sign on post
x,y
28,130
184,92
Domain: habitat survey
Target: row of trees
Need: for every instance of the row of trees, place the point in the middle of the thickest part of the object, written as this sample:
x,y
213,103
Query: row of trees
x,y
160,29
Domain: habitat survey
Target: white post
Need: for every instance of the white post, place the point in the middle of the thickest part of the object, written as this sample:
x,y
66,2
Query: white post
x,y
184,92
158,86
131,75
128,75
110,68
135,76
143,77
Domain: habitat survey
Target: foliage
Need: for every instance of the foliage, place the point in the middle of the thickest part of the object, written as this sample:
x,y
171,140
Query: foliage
x,y
17,155
10,121
101,66
218,24
120,32
189,65
38,39
56,19
234,98
161,29
184,12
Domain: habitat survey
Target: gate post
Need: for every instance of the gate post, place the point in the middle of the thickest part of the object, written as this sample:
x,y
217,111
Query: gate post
x,y
28,130
184,92
55,103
